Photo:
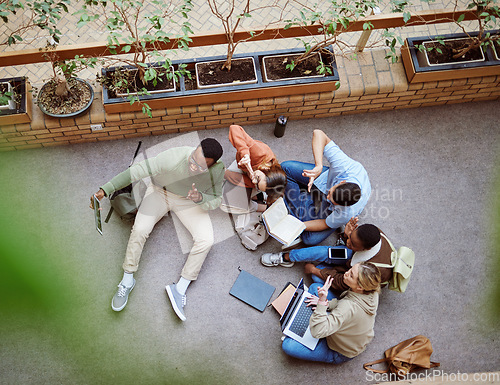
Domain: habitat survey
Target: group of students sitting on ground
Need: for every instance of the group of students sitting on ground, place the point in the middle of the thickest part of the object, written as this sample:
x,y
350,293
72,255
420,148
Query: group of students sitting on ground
x,y
345,296
189,181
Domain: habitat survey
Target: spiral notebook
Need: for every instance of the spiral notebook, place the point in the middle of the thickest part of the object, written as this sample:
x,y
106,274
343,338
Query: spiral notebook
x,y
252,290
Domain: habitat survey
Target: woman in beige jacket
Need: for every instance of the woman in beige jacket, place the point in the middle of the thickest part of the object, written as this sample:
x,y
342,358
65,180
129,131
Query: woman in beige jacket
x,y
345,325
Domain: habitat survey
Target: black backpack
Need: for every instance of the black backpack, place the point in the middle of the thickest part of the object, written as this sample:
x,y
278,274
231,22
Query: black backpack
x,y
126,201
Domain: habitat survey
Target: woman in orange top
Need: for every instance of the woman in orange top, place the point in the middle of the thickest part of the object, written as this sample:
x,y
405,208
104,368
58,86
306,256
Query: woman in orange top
x,y
260,167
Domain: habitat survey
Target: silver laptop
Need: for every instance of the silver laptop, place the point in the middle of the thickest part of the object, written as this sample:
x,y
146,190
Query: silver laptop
x,y
295,319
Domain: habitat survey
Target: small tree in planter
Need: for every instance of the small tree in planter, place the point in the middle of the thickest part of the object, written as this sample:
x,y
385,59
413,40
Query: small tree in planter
x,y
232,15
64,94
29,16
486,14
334,19
231,19
138,27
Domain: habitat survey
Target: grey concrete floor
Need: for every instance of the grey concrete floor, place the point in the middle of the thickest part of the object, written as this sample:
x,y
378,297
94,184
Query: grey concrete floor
x,y
431,171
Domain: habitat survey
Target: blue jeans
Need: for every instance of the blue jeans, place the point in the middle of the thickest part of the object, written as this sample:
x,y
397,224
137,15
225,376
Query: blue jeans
x,y
322,353
315,254
300,203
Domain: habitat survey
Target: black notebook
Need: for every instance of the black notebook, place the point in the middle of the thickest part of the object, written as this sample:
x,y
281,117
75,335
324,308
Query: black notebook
x,y
252,290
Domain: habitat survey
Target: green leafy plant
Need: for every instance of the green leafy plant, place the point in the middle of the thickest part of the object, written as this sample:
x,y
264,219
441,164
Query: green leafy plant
x,y
334,18
29,16
232,15
5,95
486,16
18,18
138,28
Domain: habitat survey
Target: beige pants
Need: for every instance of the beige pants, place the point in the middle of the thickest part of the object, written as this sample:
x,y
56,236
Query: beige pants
x,y
155,205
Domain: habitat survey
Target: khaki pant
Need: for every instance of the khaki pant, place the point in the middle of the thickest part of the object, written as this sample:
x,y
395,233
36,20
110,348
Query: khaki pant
x,y
155,205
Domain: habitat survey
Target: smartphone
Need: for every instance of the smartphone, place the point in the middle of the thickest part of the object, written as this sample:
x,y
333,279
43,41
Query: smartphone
x,y
337,255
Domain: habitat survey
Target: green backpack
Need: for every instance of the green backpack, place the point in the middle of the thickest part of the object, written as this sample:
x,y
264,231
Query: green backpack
x,y
402,262
126,201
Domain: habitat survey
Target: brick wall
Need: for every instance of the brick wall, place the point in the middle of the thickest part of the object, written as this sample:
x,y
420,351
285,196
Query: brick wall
x,y
368,84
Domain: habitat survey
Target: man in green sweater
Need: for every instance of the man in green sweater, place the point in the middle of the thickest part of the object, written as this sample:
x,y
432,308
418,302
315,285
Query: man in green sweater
x,y
187,181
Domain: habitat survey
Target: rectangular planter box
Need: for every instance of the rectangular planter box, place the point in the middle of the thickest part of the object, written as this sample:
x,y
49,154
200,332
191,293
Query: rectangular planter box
x,y
189,97
221,62
23,113
423,57
124,95
266,78
417,71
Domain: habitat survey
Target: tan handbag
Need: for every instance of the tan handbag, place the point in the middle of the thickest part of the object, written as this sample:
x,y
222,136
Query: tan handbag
x,y
407,356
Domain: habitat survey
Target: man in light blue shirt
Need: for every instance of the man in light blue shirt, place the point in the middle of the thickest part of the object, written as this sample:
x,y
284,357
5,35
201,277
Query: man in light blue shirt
x,y
334,194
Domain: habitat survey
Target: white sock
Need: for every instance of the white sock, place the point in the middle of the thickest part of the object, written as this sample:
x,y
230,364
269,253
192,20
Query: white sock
x,y
128,279
182,285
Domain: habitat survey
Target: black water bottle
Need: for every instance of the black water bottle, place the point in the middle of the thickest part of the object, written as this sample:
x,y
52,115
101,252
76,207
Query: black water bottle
x,y
279,128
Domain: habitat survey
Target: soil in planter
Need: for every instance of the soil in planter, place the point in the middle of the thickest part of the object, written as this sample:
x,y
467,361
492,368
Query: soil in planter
x,y
76,100
276,67
190,84
211,73
132,82
449,49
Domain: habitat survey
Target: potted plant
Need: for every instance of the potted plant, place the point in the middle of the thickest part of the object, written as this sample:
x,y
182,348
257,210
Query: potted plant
x,y
458,55
333,21
15,101
65,95
220,72
137,28
38,17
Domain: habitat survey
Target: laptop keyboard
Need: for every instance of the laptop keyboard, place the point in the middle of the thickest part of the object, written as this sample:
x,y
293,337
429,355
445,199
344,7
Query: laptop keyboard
x,y
301,320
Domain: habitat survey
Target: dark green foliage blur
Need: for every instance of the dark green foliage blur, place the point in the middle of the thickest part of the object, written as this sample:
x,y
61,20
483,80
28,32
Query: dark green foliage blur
x,y
494,273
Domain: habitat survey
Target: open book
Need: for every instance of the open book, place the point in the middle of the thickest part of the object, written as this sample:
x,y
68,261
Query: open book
x,y
281,225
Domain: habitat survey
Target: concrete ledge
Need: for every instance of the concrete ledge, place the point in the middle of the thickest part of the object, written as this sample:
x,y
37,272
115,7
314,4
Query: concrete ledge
x,y
368,84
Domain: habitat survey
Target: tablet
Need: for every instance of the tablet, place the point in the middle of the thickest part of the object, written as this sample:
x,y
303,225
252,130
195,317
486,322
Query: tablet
x,y
97,215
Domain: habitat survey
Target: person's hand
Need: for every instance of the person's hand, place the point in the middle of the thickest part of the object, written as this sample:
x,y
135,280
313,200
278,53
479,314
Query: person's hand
x,y
194,194
246,162
312,301
351,226
323,290
312,174
99,195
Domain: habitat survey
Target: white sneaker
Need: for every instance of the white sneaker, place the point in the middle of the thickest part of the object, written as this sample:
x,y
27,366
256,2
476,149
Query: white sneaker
x,y
274,259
